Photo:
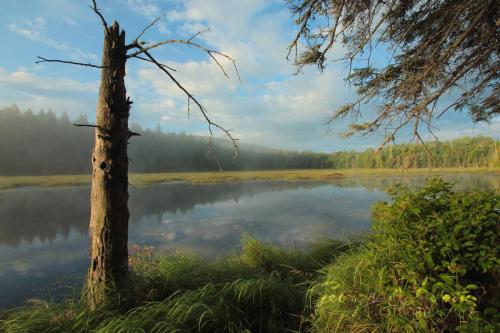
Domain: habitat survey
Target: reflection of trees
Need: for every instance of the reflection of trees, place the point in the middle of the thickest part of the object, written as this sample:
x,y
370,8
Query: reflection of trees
x,y
29,214
180,197
383,183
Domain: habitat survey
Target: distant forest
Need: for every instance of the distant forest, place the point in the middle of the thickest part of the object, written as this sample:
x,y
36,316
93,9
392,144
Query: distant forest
x,y
42,143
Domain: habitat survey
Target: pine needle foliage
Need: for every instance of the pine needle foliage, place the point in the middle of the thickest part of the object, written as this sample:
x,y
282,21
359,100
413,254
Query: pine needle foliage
x,y
442,55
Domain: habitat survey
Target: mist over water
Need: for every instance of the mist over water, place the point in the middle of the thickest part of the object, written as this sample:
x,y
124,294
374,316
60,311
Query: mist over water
x,y
43,232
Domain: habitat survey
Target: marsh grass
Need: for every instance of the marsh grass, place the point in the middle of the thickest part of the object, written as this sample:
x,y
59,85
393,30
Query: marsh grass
x,y
144,179
260,289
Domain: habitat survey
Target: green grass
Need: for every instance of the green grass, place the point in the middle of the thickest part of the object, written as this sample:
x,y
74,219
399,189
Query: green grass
x,y
142,179
261,289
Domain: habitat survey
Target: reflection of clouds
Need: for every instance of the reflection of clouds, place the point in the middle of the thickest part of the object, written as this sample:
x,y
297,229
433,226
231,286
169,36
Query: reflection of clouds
x,y
28,259
173,236
296,216
28,272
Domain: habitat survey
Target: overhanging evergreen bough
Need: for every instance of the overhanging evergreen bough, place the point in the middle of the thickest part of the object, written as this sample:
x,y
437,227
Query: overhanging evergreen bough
x,y
439,55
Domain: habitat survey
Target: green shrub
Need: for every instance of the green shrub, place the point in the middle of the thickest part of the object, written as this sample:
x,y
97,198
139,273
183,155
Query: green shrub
x,y
431,265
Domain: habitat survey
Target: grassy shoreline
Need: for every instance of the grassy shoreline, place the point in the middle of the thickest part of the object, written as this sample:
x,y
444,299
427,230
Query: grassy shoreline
x,y
144,179
429,265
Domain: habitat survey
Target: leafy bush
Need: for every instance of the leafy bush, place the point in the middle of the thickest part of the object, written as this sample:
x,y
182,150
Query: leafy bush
x,y
431,265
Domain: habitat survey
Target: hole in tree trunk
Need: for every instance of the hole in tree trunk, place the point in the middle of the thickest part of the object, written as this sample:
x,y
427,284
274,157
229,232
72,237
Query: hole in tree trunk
x,y
103,165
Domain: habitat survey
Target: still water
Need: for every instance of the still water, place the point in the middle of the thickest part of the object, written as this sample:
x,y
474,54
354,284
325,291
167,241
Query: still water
x,y
43,232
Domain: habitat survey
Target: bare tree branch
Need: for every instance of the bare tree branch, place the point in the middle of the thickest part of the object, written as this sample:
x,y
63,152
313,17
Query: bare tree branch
x,y
130,133
211,53
96,10
86,125
42,59
136,40
202,109
147,60
198,33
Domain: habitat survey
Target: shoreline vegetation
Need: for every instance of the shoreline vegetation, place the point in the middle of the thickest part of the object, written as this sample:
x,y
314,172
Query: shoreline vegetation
x,y
210,177
430,264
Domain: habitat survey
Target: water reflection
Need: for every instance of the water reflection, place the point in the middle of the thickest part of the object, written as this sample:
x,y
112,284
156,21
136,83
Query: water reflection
x,y
298,215
38,215
43,239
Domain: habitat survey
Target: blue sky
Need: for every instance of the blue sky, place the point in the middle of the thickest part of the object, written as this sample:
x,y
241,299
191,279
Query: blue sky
x,y
272,106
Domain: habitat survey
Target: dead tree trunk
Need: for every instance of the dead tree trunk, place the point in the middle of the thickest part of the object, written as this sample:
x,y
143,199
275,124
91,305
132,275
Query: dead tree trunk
x,y
109,211
107,276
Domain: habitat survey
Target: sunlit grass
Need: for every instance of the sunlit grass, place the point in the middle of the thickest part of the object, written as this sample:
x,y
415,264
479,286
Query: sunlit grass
x,y
142,179
260,289
43,181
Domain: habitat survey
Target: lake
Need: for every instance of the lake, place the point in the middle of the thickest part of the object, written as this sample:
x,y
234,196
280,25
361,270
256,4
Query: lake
x,y
43,231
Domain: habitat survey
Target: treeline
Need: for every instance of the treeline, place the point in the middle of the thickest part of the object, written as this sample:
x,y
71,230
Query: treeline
x,y
464,152
43,143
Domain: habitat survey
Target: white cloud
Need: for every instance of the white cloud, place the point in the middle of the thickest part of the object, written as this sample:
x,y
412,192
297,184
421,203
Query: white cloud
x,y
35,30
22,78
28,90
250,31
287,113
69,21
272,107
447,131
